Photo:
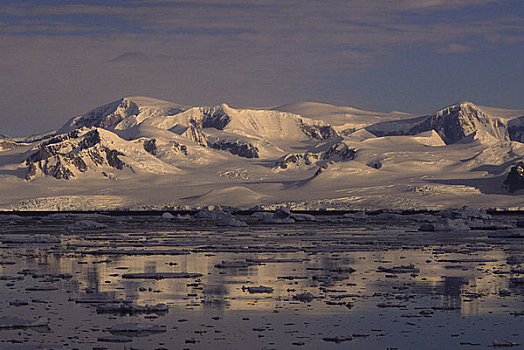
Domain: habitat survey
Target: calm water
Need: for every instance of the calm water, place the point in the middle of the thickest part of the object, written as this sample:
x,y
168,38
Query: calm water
x,y
334,283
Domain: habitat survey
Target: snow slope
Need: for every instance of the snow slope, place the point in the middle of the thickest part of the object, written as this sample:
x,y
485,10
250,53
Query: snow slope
x,y
141,153
341,118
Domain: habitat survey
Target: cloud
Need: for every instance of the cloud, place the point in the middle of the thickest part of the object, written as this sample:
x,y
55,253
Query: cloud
x,y
455,48
241,51
131,56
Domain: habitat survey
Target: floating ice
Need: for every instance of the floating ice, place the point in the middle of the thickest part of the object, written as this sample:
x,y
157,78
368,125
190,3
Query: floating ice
x,y
136,329
16,322
127,308
161,275
259,289
305,297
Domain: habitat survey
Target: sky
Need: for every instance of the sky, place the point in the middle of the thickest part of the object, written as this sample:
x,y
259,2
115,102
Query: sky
x,y
59,59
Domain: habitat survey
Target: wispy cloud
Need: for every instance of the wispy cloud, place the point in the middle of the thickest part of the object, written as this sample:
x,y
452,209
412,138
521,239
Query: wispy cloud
x,y
455,48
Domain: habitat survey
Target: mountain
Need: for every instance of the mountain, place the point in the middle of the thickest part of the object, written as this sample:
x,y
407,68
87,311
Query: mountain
x,y
140,152
122,114
3,136
68,155
243,132
457,123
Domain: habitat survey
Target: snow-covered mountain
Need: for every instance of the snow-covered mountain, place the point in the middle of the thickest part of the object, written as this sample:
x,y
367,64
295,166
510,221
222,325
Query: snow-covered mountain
x,y
68,155
457,123
145,152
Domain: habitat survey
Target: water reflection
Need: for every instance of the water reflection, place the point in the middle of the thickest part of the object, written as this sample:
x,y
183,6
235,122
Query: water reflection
x,y
274,268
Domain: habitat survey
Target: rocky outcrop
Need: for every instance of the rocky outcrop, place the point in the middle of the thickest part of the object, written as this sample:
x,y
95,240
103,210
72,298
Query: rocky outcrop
x,y
516,129
336,152
64,156
515,179
237,147
297,159
215,117
319,132
194,133
151,147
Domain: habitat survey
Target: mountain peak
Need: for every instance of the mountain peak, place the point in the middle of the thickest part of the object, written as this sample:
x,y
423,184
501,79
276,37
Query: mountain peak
x,y
110,115
148,101
464,105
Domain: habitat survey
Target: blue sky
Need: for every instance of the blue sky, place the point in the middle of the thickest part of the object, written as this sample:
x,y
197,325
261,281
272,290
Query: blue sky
x,y
61,58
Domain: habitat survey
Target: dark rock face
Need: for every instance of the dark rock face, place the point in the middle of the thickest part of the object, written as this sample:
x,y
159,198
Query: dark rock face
x,y
515,179
298,159
319,132
338,152
236,147
194,132
31,171
150,146
112,158
516,129
376,164
215,117
179,147
63,155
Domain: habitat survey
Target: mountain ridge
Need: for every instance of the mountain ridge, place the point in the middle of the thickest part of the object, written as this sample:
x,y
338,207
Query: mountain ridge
x,y
146,151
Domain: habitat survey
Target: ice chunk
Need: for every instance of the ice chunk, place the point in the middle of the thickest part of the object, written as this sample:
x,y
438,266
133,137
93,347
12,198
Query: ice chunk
x,y
231,222
304,297
136,252
451,225
504,343
399,269
167,216
161,275
259,289
337,339
100,301
115,339
282,213
136,329
232,264
16,322
89,224
30,239
127,308
465,212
